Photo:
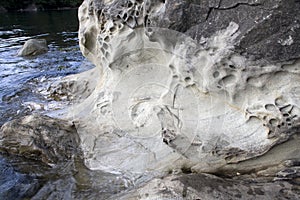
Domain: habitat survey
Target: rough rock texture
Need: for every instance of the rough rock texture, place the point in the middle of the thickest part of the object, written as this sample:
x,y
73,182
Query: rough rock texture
x,y
201,84
33,47
40,138
204,186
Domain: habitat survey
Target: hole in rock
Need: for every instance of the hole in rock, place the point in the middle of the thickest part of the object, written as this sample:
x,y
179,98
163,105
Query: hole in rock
x,y
273,122
112,29
227,80
107,39
186,170
145,20
188,79
285,115
216,74
105,46
270,133
125,17
130,4
270,107
131,22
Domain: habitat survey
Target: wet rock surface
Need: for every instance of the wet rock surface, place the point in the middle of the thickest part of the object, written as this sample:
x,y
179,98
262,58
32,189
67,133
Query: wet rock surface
x,y
33,47
41,159
40,138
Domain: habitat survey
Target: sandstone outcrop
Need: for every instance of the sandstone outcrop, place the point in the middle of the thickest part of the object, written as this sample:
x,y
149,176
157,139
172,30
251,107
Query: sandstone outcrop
x,y
204,84
180,86
33,47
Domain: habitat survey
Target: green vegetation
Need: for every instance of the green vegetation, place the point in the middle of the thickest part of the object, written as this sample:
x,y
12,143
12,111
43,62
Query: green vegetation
x,y
40,4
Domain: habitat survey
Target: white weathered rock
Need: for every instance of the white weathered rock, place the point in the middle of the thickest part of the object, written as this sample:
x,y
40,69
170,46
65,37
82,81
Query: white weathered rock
x,y
33,47
164,100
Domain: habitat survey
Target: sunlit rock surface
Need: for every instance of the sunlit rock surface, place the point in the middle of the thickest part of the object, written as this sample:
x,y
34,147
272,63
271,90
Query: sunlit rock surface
x,y
199,84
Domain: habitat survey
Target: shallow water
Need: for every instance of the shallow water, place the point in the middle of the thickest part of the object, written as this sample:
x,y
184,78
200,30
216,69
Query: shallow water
x,y
21,80
20,77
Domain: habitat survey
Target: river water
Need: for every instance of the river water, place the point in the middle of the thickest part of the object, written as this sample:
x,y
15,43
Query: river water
x,y
22,79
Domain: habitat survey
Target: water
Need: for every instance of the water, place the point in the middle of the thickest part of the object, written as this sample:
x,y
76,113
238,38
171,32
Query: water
x,y
20,85
21,77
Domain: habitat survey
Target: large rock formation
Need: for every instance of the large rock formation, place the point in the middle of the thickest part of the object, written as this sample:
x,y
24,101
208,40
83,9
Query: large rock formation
x,y
200,84
180,86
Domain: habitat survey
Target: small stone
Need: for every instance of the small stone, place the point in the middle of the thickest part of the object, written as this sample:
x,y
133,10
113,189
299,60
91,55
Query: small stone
x,y
33,47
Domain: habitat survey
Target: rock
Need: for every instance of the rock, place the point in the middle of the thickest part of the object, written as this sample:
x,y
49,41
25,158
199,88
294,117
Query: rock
x,y
30,8
73,88
33,47
204,186
203,84
2,9
260,34
40,138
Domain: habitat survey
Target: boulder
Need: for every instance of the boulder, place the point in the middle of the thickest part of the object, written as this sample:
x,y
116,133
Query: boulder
x,y
33,47
41,138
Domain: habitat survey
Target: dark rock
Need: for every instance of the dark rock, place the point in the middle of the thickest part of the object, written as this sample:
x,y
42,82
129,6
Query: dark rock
x,y
2,9
269,30
40,138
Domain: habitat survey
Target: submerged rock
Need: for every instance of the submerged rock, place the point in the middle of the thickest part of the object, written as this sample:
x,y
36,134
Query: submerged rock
x,y
33,47
42,138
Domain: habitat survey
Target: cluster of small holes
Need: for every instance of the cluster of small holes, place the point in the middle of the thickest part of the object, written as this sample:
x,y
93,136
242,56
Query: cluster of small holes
x,y
278,117
187,80
131,12
224,76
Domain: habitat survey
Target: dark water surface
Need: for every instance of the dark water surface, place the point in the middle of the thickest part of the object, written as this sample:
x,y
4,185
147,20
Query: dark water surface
x,y
21,80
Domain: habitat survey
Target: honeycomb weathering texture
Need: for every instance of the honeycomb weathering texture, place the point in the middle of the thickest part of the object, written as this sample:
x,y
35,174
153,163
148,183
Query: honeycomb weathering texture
x,y
175,88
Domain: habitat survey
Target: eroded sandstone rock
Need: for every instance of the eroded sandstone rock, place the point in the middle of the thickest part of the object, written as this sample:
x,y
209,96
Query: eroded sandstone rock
x,y
203,84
